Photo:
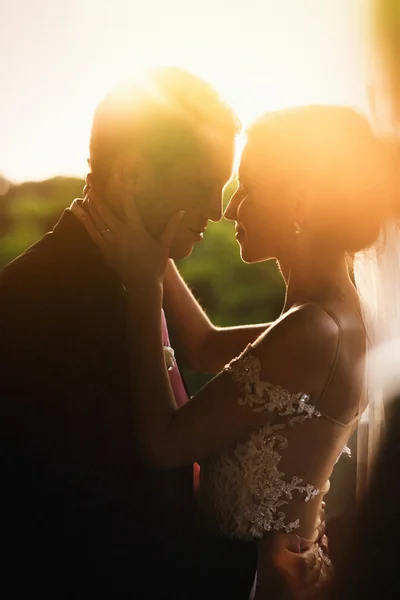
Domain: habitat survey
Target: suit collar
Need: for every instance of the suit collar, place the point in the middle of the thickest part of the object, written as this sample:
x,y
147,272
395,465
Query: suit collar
x,y
71,236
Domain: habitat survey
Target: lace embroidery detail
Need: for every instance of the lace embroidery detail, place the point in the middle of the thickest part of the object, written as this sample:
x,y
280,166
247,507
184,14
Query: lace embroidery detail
x,y
246,369
244,489
345,450
271,490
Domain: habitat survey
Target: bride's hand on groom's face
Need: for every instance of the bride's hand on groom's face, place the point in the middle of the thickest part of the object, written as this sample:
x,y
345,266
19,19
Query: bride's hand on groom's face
x,y
139,258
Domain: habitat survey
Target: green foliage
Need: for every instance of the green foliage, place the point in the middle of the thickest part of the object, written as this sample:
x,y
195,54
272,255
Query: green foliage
x,y
29,210
232,292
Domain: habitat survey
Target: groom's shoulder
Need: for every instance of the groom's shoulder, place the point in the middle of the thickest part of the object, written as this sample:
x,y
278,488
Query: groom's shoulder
x,y
35,294
36,278
27,268
46,259
49,254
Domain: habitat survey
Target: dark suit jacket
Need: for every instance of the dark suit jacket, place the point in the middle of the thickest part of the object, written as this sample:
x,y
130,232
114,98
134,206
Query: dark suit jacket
x,y
77,503
79,513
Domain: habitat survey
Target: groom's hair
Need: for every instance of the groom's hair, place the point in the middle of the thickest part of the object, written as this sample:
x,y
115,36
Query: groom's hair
x,y
164,116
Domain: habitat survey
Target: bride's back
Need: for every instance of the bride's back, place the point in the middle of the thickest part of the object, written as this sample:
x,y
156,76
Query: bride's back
x,y
306,375
336,384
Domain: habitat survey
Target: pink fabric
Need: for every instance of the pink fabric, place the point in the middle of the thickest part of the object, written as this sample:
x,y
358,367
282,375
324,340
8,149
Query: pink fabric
x,y
174,375
179,390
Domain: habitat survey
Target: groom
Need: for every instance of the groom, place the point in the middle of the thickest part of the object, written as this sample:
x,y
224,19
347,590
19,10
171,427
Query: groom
x,y
80,514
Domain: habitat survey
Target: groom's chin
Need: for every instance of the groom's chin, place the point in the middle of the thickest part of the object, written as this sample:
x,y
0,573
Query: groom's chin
x,y
179,251
250,257
245,256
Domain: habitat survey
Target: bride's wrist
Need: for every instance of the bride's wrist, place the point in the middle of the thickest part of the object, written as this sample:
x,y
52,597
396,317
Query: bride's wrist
x,y
145,292
144,311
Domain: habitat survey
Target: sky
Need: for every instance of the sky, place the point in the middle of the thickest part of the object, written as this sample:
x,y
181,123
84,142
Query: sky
x,y
59,57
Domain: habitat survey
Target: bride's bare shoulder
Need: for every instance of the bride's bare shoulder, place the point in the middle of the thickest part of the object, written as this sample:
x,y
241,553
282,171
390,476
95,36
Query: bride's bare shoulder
x,y
301,345
309,322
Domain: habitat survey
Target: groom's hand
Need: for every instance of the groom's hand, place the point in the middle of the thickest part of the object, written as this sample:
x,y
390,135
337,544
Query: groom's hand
x,y
282,568
281,564
299,570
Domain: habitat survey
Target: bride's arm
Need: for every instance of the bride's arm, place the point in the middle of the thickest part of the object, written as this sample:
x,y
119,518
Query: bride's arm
x,y
201,346
170,436
215,417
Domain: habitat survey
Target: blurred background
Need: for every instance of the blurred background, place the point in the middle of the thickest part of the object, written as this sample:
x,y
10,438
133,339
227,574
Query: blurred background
x,y
58,58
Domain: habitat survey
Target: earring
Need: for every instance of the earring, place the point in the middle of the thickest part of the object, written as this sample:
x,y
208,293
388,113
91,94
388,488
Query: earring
x,y
297,228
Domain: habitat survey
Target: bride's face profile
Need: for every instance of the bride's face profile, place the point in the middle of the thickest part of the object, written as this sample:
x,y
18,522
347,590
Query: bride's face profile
x,y
262,226
312,180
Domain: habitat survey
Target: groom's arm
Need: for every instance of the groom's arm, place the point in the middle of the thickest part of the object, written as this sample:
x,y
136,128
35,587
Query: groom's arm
x,y
202,346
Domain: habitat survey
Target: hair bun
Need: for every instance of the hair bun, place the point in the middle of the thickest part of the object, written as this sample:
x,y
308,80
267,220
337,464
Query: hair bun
x,y
347,172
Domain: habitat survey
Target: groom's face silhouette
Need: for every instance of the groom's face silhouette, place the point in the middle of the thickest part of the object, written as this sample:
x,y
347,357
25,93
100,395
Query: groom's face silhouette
x,y
166,142
193,184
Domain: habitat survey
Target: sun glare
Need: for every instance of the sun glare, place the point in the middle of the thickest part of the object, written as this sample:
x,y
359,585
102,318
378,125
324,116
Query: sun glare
x,y
261,55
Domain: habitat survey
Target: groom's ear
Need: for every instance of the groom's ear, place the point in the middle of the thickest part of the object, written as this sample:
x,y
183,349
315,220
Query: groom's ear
x,y
131,178
131,173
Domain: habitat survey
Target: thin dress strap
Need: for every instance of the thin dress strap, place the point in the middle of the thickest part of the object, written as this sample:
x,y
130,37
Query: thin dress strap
x,y
331,374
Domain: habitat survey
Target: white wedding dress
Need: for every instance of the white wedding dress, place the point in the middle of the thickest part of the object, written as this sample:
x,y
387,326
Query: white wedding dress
x,y
275,480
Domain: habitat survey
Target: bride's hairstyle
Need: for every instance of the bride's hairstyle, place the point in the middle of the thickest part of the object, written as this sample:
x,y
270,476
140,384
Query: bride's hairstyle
x,y
162,115
329,160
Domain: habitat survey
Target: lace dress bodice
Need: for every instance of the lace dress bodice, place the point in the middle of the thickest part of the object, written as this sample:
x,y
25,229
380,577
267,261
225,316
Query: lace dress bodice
x,y
269,482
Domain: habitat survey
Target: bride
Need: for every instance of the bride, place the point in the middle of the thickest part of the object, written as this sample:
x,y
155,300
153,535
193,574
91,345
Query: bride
x,y
314,188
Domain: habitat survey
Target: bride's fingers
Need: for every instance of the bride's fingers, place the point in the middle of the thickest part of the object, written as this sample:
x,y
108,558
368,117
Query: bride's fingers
x,y
96,216
130,209
171,227
133,216
91,228
107,216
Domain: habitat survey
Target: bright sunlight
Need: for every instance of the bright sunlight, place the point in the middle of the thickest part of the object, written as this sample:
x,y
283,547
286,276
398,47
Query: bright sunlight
x,y
61,57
